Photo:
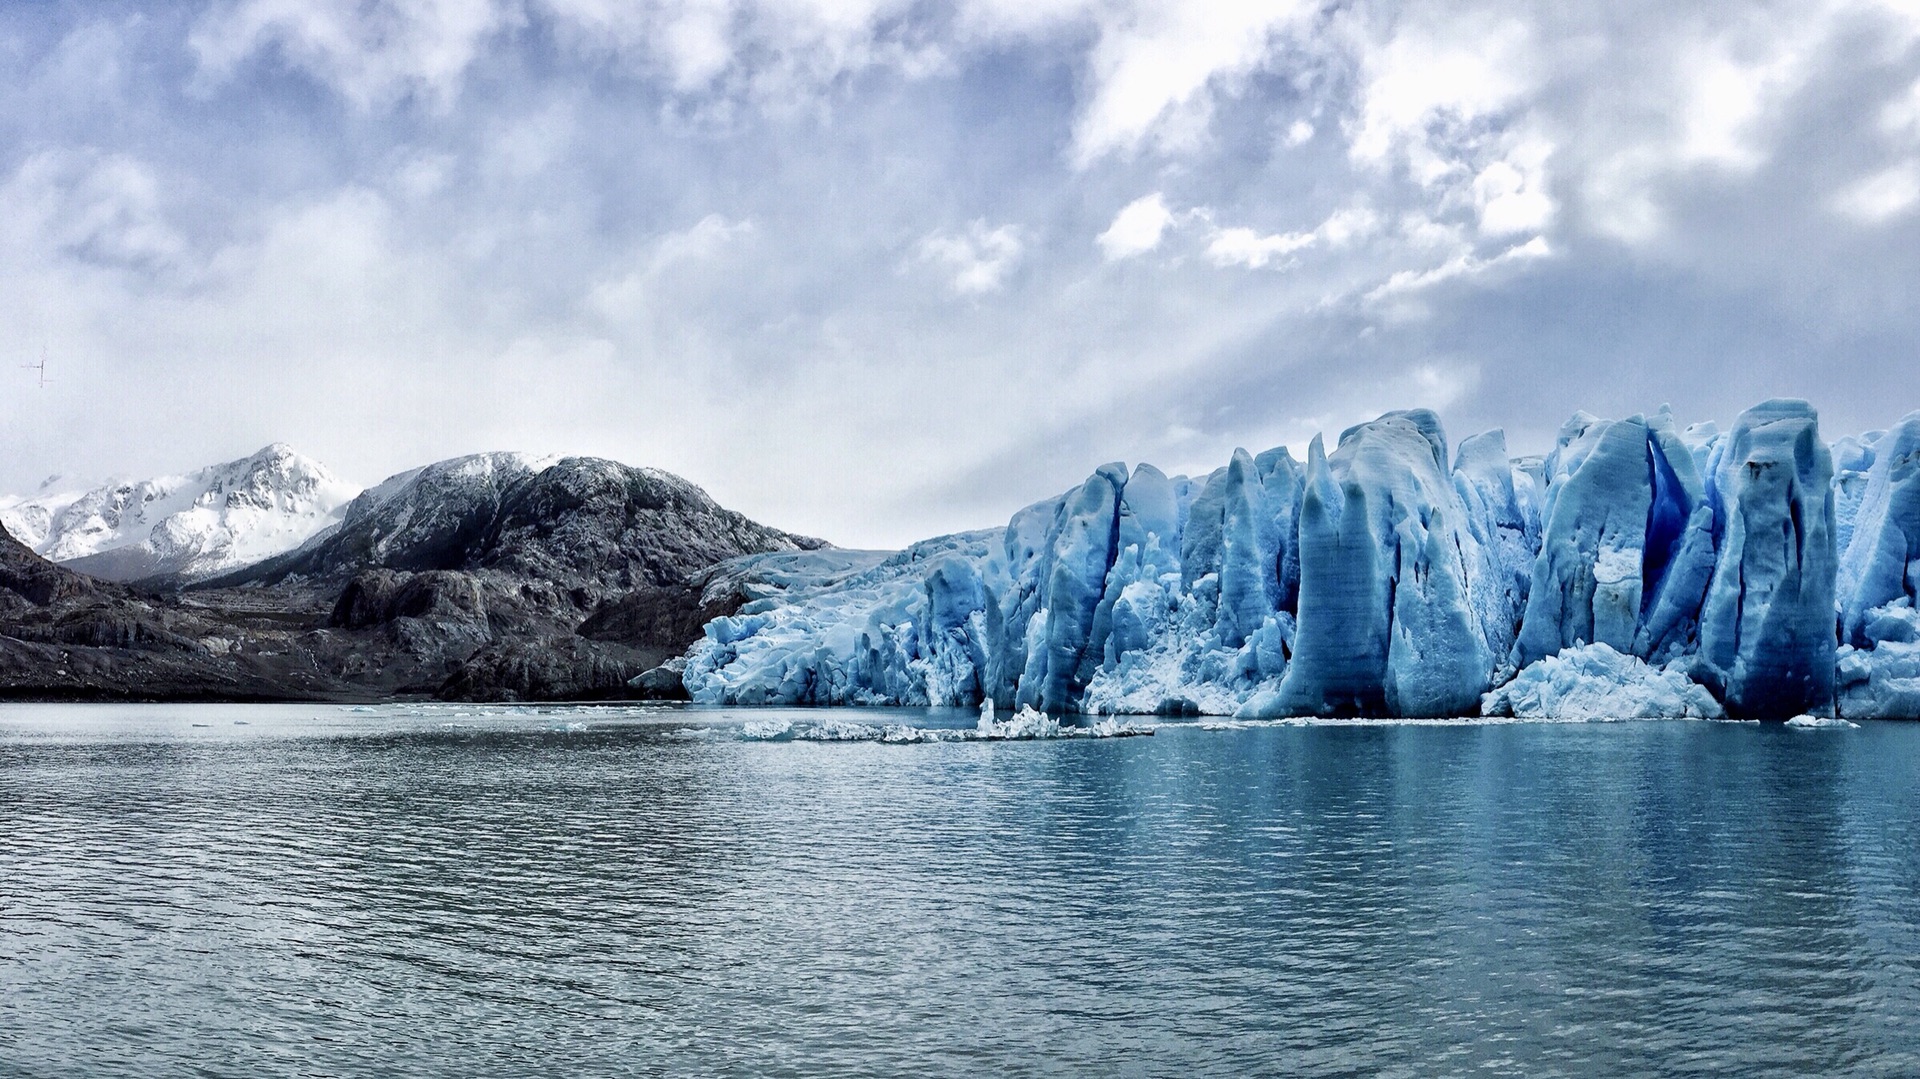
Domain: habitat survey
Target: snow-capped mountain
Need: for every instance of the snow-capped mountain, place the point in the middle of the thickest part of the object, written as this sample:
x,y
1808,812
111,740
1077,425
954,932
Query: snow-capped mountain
x,y
498,576
581,521
185,527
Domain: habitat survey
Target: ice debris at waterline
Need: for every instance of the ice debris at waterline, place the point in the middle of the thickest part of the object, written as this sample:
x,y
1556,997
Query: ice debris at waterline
x,y
1639,568
1592,681
1026,725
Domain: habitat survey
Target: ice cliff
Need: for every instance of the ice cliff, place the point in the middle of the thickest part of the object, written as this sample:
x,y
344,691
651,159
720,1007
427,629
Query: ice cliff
x,y
1637,567
1878,672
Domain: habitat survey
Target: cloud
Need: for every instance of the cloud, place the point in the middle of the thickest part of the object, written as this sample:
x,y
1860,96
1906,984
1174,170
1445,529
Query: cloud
x,y
1137,228
1465,264
628,294
1245,247
1241,246
372,53
726,237
95,207
1428,84
1511,194
1882,196
1900,118
1157,62
979,258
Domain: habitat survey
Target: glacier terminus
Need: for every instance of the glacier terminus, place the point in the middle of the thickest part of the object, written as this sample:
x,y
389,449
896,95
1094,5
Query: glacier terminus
x,y
1639,568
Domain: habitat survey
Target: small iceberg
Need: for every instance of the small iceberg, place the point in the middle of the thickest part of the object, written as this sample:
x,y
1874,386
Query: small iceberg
x,y
1809,723
1028,724
841,731
1594,681
767,730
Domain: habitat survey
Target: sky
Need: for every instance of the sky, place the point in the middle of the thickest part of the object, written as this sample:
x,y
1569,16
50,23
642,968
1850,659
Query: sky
x,y
875,270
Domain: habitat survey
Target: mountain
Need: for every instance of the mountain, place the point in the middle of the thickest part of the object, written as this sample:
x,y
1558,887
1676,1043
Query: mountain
x,y
497,576
1637,569
184,528
589,523
505,575
65,636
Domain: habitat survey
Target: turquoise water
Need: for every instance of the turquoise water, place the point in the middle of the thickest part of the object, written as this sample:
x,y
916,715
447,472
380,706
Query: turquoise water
x,y
462,891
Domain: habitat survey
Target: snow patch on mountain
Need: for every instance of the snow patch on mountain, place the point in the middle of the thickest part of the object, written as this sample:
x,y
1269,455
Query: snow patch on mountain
x,y
185,527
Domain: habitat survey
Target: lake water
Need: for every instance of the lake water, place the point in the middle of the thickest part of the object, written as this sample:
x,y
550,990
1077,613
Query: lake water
x,y
257,891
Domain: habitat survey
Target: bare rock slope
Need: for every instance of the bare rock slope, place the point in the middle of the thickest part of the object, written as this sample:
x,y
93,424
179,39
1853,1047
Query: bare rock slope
x,y
493,577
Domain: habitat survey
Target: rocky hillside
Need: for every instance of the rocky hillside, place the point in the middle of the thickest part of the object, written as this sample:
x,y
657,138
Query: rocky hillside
x,y
65,636
497,576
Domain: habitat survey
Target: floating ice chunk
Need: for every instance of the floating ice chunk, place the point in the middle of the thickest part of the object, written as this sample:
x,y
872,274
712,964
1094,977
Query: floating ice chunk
x,y
1595,681
1026,723
1111,728
767,730
1819,722
837,730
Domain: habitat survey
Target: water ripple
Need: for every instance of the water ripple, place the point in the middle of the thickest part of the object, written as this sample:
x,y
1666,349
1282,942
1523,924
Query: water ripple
x,y
591,891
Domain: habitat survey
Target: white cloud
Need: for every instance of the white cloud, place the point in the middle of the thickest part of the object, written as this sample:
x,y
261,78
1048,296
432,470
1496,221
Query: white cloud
x,y
1240,246
1298,133
629,295
424,176
1345,225
371,53
691,39
1882,196
1511,193
100,208
1726,97
979,258
1900,118
1425,82
1465,264
1245,247
1137,228
1156,61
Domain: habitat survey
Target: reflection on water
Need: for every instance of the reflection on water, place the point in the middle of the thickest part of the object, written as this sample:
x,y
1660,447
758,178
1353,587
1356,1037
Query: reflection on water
x,y
604,891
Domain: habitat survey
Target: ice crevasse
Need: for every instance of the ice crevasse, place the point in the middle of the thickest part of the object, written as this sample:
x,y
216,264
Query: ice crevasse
x,y
1757,571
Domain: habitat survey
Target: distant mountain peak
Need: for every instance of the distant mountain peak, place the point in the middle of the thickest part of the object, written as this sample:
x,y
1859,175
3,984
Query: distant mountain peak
x,y
187,527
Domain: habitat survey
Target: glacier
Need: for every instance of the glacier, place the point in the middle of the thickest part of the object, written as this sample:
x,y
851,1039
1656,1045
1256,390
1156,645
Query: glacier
x,y
1767,626
1388,623
1878,580
1638,568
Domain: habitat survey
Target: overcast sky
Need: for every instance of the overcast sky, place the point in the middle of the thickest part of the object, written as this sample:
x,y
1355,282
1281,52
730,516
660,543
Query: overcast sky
x,y
874,270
